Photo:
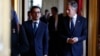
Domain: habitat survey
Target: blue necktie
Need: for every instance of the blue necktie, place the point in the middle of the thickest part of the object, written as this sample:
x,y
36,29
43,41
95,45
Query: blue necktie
x,y
34,29
72,25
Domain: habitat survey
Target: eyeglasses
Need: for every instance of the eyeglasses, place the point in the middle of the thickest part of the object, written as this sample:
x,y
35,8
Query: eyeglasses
x,y
36,12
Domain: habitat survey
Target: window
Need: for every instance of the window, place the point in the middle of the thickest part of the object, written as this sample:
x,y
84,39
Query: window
x,y
35,3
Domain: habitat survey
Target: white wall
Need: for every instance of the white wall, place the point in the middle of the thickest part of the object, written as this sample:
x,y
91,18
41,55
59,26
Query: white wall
x,y
47,4
26,7
5,27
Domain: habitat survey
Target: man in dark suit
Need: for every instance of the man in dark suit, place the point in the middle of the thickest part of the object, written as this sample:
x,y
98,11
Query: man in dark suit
x,y
14,34
45,17
29,15
74,31
54,41
19,43
37,34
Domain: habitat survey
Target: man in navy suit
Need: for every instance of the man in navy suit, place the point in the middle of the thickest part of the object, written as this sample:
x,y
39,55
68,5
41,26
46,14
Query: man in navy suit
x,y
19,43
74,31
37,34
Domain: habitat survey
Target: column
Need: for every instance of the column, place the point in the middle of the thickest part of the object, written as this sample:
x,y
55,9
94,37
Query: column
x,y
5,27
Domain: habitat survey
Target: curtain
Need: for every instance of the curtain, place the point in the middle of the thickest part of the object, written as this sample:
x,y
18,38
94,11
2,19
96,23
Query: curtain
x,y
80,6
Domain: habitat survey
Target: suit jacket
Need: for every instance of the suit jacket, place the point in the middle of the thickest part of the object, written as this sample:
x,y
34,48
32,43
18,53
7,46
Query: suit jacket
x,y
55,43
14,38
44,19
52,31
19,43
38,42
79,31
23,42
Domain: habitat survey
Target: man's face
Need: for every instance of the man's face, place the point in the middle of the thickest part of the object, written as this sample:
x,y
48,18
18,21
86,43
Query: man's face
x,y
29,15
70,11
46,13
36,14
53,12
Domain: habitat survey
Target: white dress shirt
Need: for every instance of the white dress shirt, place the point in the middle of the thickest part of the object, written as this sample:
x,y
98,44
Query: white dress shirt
x,y
74,18
37,23
56,22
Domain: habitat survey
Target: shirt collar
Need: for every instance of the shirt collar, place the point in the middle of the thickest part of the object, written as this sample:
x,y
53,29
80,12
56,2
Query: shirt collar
x,y
74,17
36,21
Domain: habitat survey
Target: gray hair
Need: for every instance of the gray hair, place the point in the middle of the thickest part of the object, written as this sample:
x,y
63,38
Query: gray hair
x,y
73,4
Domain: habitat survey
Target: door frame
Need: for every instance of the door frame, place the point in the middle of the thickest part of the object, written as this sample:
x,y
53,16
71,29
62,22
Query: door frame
x,y
92,27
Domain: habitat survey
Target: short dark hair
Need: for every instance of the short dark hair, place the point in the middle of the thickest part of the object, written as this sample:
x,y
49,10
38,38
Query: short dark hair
x,y
55,9
33,7
73,3
46,10
29,12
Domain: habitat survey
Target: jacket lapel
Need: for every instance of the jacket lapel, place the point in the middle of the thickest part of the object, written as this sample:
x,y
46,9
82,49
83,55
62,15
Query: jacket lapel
x,y
78,23
38,29
31,27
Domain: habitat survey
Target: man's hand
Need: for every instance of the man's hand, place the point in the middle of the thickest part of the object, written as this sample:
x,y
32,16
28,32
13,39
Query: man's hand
x,y
45,55
72,40
75,39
